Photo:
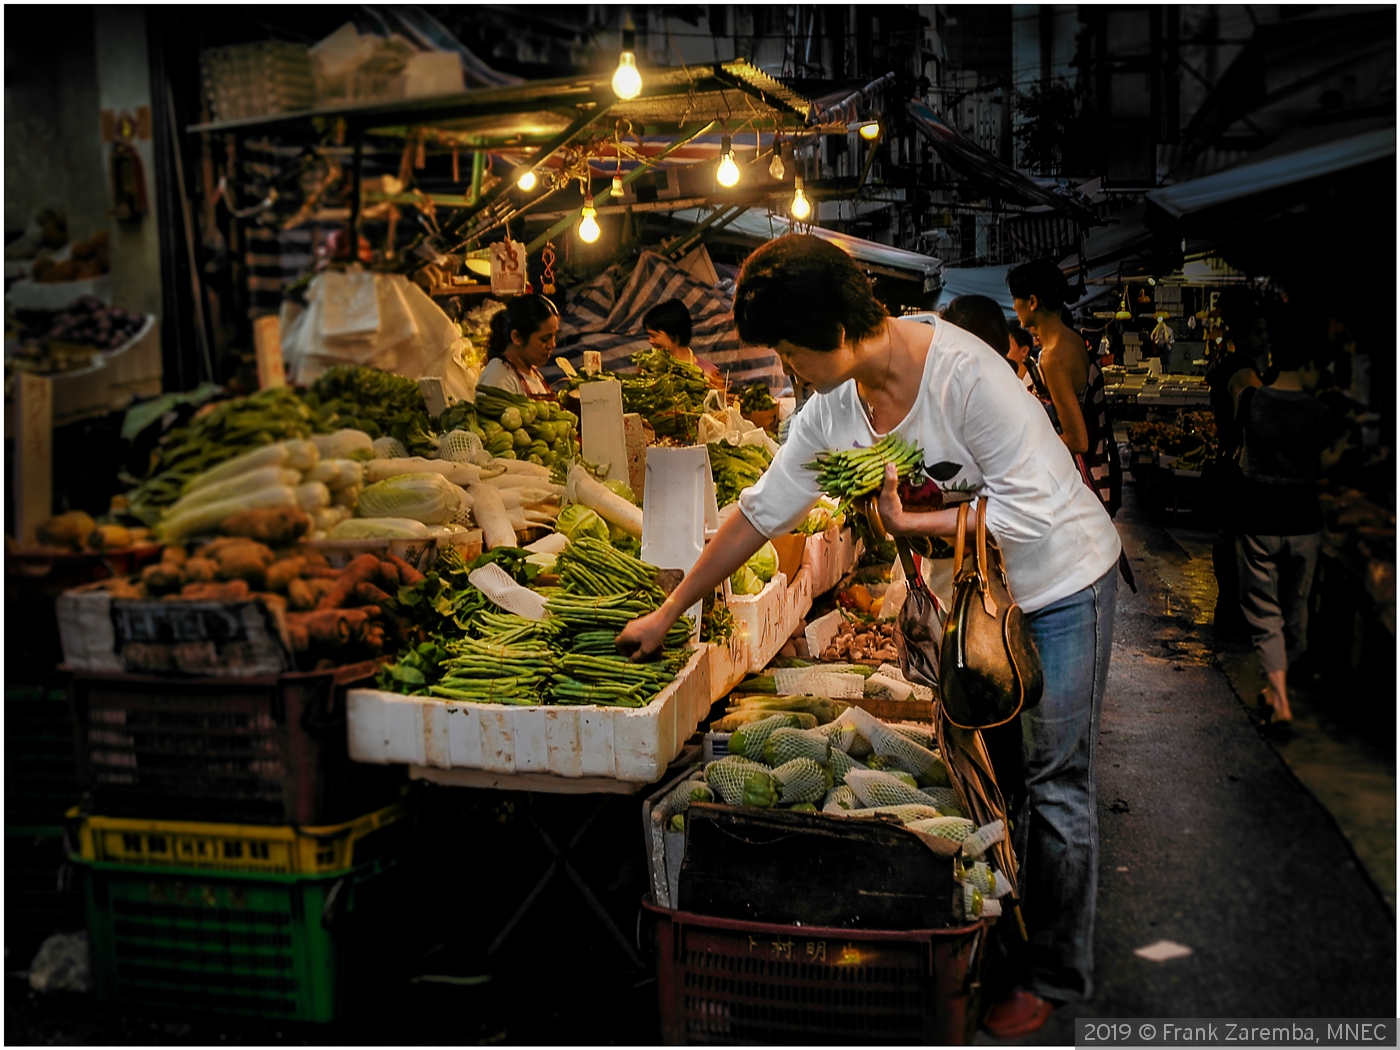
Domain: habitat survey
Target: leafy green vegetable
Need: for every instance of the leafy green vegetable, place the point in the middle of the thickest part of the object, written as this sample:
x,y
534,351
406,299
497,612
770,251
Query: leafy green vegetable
x,y
379,403
764,563
576,520
735,468
745,582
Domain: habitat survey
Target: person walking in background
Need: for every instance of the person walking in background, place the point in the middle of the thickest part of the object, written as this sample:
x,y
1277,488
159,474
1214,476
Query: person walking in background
x,y
1070,377
1240,367
668,327
1288,440
1020,355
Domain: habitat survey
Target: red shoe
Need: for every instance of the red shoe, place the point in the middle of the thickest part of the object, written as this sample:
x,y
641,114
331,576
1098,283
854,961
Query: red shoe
x,y
1020,1013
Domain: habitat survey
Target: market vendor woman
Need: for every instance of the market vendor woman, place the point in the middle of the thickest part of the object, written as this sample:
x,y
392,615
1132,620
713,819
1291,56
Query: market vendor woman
x,y
522,339
954,397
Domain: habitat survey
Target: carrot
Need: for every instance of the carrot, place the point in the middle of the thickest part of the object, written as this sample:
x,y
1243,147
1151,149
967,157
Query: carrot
x,y
281,573
321,572
297,635
319,588
408,575
330,627
360,570
233,591
389,575
369,594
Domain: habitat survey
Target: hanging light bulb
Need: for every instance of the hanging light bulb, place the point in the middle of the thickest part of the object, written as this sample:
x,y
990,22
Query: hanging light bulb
x,y
528,181
728,172
617,185
1123,314
588,229
870,130
627,80
801,207
775,167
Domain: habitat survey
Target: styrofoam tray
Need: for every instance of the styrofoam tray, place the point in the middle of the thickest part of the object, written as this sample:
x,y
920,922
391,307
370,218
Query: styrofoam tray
x,y
729,663
628,744
831,554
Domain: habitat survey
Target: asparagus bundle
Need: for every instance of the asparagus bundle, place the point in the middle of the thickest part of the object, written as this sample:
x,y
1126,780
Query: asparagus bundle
x,y
848,474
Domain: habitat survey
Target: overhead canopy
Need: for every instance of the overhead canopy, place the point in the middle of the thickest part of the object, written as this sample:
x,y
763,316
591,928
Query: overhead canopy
x,y
758,224
976,280
984,168
1289,163
535,109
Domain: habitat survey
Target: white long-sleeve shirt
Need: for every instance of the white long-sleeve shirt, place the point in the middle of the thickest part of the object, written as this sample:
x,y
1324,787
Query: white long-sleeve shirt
x,y
971,413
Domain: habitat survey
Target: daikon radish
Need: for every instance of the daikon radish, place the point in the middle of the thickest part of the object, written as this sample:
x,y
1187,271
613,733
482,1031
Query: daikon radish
x,y
291,455
491,517
551,544
539,517
610,506
264,477
457,473
208,515
524,481
517,518
313,495
336,473
342,443
522,466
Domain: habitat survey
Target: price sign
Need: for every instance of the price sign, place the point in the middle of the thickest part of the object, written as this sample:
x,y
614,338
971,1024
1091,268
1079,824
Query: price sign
x,y
507,268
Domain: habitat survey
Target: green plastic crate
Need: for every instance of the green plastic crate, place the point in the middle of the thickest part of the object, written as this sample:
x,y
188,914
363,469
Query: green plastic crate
x,y
41,775
280,946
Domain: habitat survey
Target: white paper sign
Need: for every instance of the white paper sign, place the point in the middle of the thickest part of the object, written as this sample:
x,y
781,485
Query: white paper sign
x,y
507,268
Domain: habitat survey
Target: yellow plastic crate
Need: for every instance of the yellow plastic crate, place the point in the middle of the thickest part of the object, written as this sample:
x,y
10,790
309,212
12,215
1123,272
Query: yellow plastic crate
x,y
248,848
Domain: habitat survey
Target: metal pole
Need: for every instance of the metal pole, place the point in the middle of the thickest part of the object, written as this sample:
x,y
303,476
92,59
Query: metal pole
x,y
478,173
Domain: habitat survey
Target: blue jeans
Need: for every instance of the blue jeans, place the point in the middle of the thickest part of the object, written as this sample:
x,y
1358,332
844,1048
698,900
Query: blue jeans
x,y
1058,839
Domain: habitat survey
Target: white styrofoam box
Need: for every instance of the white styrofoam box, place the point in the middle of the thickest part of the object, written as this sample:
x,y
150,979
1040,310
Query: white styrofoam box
x,y
28,294
119,376
758,617
729,663
629,744
831,554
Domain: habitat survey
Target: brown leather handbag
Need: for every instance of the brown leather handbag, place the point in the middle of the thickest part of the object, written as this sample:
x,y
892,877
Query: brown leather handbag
x,y
988,667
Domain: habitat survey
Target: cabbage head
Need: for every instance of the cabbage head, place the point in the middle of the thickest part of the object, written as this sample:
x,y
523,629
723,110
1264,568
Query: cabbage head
x,y
764,563
623,489
745,582
429,498
379,529
576,520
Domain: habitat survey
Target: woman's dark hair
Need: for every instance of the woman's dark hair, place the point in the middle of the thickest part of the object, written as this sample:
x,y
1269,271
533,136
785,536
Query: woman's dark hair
x,y
1042,279
671,317
982,317
524,314
805,290
1297,335
1020,336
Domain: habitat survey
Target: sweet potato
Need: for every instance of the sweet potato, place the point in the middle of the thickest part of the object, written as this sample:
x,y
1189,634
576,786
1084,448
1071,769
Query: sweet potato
x,y
283,572
201,570
276,526
233,591
175,555
321,572
244,561
320,587
314,558
360,570
300,596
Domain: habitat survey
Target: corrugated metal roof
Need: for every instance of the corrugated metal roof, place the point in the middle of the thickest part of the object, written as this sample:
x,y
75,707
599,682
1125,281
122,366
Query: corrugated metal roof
x,y
1276,172
759,224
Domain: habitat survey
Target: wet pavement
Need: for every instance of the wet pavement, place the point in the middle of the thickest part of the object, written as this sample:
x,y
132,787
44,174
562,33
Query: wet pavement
x,y
1273,863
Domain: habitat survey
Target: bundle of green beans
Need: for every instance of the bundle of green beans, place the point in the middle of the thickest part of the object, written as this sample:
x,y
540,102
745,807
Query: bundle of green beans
x,y
499,674
592,566
848,474
508,629
612,681
595,643
578,613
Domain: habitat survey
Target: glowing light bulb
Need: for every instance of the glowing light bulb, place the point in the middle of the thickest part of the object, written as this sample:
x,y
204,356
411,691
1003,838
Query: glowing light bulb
x,y
776,168
801,207
528,181
589,230
627,81
617,186
870,130
727,174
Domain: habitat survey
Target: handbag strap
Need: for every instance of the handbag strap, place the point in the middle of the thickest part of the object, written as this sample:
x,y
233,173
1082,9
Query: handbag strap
x,y
984,567
960,540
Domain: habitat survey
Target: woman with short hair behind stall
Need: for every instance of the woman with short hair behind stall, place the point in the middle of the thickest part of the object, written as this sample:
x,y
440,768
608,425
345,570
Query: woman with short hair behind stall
x,y
954,397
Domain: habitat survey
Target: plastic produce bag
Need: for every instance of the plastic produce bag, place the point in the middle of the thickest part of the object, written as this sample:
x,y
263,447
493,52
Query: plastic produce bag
x,y
722,422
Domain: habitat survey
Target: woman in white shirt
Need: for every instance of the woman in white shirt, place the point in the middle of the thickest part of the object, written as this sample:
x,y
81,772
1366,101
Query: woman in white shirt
x,y
954,396
522,339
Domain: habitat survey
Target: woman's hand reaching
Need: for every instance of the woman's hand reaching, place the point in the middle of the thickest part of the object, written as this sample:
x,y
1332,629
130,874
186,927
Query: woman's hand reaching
x,y
643,637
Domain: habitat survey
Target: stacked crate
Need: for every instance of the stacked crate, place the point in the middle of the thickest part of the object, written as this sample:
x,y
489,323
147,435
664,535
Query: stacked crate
x,y
234,859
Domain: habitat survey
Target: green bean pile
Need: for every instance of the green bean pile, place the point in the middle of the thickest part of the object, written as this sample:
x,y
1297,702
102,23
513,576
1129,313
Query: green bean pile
x,y
590,566
495,674
609,681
